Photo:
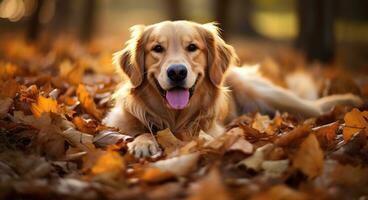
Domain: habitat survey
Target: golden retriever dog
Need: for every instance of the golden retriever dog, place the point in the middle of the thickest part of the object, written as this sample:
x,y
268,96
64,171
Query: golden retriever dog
x,y
182,77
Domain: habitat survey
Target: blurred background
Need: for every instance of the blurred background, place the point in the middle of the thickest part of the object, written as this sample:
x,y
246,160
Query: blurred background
x,y
327,32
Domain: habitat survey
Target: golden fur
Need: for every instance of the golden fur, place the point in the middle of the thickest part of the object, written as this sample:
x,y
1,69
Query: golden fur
x,y
219,93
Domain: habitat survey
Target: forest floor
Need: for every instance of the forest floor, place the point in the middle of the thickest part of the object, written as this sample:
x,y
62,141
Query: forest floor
x,y
53,145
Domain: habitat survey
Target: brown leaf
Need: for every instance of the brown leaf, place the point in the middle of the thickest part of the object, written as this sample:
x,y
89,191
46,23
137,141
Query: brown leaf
x,y
210,187
309,157
5,104
255,161
242,145
168,141
293,137
9,88
85,125
225,141
87,102
355,121
326,135
263,123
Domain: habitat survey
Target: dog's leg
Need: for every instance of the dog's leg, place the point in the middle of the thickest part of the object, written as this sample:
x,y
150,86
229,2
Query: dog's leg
x,y
253,92
143,145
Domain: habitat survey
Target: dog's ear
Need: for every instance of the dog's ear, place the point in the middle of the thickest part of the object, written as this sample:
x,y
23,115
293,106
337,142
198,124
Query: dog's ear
x,y
130,60
220,55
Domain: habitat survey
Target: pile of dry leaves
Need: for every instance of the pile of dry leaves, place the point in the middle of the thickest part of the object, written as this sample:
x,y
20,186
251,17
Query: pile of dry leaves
x,y
53,145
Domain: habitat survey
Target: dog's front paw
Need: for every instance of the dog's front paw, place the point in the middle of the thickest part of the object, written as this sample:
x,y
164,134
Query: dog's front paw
x,y
143,146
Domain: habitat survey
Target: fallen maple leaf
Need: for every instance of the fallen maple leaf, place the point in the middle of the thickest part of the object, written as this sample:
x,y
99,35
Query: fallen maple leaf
x,y
87,102
309,157
355,121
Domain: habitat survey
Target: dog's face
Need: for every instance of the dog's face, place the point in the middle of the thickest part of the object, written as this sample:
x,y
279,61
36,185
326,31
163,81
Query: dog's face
x,y
175,58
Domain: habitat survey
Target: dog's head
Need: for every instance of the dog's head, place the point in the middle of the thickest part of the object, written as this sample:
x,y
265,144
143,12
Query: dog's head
x,y
176,58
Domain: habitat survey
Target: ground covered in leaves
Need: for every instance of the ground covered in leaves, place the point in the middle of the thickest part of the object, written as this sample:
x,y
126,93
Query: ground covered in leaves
x,y
53,145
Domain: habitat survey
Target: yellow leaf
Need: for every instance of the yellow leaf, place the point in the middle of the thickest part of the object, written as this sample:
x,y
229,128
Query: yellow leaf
x,y
87,102
44,104
309,157
355,121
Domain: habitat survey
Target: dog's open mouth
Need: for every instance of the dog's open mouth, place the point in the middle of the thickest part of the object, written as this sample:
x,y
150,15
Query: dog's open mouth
x,y
177,97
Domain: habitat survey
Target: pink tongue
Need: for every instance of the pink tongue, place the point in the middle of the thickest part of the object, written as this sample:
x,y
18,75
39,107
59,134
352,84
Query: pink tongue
x,y
178,98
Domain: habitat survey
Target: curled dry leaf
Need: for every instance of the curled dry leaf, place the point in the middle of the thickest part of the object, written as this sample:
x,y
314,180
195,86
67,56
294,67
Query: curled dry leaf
x,y
355,121
255,161
309,157
179,166
168,141
292,138
263,123
225,141
108,137
242,145
87,102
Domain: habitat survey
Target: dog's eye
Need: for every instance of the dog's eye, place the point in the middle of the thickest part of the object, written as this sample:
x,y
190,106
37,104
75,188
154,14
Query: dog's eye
x,y
192,48
158,48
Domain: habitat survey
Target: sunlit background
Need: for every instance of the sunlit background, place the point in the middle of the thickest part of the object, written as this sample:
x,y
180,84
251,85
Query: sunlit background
x,y
325,30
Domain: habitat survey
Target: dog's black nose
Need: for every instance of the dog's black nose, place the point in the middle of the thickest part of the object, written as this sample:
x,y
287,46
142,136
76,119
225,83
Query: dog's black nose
x,y
177,72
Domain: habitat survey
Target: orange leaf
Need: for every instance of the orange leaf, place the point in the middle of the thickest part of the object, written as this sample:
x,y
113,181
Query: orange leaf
x,y
355,121
154,175
87,102
309,157
44,104
110,162
326,135
85,125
